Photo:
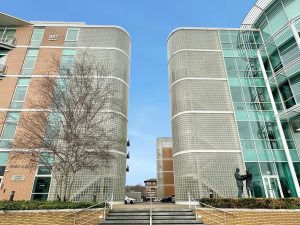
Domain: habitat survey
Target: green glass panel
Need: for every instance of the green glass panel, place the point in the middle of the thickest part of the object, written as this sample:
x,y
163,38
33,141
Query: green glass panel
x,y
72,34
241,115
276,16
3,158
286,180
13,117
242,64
266,106
32,52
279,155
292,8
234,82
37,34
255,115
228,53
247,82
236,94
258,129
6,143
297,170
70,52
29,62
39,197
265,155
265,31
250,155
239,106
16,105
24,81
267,168
250,94
257,181
294,155
247,144
9,131
227,46
268,115
225,36
261,144
20,93
230,64
244,130
233,74
259,82
252,106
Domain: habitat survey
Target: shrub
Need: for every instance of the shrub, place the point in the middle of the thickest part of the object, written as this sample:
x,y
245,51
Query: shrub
x,y
34,205
253,203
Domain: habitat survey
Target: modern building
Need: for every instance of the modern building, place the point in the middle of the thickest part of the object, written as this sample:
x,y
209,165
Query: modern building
x,y
164,163
26,51
151,189
235,104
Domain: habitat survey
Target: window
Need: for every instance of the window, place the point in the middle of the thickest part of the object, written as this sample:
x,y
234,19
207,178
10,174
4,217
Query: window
x,y
9,130
71,37
37,37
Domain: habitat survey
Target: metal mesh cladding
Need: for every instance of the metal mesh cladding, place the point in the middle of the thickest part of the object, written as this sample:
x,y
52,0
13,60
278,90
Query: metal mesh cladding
x,y
110,37
198,131
101,182
198,173
186,95
203,123
193,39
115,63
198,64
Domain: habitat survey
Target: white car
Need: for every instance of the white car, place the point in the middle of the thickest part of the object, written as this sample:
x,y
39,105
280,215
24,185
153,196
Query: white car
x,y
129,200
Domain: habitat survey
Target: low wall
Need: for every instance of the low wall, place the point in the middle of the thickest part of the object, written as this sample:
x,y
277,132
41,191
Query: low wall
x,y
250,216
49,217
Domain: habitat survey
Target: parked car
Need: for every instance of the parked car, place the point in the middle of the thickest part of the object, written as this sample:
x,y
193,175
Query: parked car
x,y
168,199
129,200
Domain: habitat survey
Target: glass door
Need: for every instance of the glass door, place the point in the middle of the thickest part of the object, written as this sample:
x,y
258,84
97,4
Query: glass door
x,y
272,187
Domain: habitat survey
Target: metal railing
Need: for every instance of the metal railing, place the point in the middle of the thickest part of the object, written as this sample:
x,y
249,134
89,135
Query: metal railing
x,y
8,40
150,217
108,205
219,217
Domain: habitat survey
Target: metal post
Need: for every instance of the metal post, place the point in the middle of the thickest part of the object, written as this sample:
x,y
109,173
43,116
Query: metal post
x,y
295,33
278,122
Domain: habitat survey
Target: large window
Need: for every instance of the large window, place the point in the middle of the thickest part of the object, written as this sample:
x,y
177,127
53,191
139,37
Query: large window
x,y
71,37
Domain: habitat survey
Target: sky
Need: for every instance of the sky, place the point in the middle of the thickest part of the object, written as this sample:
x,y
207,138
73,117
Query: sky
x,y
149,22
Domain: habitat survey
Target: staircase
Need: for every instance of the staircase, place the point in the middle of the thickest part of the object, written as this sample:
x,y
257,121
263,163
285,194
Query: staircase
x,y
159,216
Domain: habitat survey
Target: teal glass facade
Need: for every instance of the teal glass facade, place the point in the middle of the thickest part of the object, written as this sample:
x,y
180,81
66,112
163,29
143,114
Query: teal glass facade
x,y
275,34
259,136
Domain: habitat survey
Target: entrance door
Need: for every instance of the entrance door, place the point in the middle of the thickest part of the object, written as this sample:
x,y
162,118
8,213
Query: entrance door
x,y
272,187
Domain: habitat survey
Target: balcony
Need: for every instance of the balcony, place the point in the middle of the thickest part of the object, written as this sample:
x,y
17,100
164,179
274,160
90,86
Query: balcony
x,y
2,71
7,42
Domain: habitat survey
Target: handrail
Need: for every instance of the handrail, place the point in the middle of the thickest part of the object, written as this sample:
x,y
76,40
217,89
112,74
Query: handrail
x,y
108,202
150,207
194,203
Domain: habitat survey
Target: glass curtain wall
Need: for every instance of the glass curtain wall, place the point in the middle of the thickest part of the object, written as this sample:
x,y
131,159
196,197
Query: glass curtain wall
x,y
262,147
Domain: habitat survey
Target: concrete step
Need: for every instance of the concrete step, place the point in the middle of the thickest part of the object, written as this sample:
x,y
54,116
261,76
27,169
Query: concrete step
x,y
159,216
148,213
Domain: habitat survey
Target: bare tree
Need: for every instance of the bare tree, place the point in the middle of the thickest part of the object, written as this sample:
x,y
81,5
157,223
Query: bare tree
x,y
70,130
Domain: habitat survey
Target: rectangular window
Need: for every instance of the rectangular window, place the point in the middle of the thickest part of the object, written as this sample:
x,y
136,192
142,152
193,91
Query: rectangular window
x,y
37,37
71,37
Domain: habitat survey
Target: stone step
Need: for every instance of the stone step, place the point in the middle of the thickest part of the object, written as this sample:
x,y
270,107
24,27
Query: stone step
x,y
148,213
154,217
153,221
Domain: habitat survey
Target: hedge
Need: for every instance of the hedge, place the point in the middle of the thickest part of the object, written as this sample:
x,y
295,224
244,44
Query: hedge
x,y
253,203
34,205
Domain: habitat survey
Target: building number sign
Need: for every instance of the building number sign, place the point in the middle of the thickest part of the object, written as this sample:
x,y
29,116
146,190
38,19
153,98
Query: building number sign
x,y
53,37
